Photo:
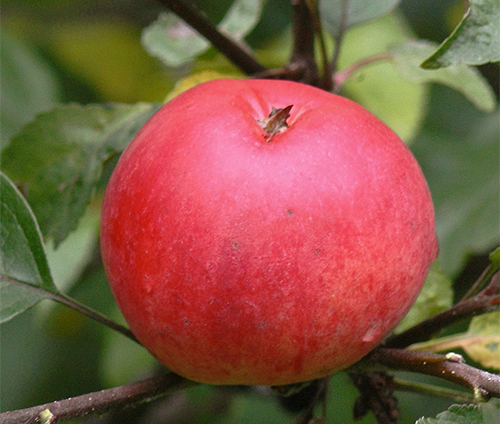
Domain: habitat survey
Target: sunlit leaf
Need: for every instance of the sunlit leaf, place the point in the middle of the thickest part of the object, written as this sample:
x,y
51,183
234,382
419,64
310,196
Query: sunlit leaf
x,y
457,414
58,158
436,295
175,43
358,11
172,41
483,344
379,87
23,264
481,341
458,76
475,40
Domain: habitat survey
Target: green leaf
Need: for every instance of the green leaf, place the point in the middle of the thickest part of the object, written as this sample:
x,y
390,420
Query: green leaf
x,y
380,88
358,11
459,76
23,262
459,155
475,40
58,158
457,414
28,86
175,43
436,296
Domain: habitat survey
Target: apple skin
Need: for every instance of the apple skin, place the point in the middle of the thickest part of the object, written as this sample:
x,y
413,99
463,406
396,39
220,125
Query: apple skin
x,y
240,259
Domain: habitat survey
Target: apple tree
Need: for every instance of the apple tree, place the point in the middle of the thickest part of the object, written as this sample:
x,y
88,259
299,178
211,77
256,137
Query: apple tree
x,y
80,79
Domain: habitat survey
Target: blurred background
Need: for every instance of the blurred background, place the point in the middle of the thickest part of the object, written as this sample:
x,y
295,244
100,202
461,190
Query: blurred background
x,y
89,51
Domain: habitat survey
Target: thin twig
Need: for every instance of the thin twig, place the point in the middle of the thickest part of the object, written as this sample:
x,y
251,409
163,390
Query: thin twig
x,y
340,77
485,301
227,46
482,282
433,391
339,38
98,402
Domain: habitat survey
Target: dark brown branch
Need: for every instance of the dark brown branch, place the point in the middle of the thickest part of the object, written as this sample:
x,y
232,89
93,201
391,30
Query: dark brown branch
x,y
486,301
376,395
98,402
450,367
303,43
227,46
319,396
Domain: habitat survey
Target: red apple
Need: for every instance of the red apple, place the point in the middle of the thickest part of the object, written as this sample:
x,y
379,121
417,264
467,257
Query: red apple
x,y
244,248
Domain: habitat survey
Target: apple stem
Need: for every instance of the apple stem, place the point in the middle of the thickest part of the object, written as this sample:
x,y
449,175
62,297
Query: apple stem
x,y
275,123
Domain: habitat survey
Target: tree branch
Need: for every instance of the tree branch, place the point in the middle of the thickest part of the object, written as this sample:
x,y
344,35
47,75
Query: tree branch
x,y
303,43
227,46
450,367
487,300
98,402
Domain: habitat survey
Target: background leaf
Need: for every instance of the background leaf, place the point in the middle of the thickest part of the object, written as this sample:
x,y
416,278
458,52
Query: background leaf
x,y
172,41
58,158
106,55
358,11
459,76
22,254
28,85
175,43
475,40
458,152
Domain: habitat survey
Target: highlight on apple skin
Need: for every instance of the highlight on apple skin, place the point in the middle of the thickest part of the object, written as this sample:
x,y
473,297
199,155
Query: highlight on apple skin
x,y
265,232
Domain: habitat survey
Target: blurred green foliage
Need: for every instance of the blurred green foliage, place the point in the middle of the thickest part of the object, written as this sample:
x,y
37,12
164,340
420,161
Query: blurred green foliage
x,y
88,51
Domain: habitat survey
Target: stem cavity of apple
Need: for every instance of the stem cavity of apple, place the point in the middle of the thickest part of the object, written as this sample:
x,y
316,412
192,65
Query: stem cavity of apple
x,y
275,123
